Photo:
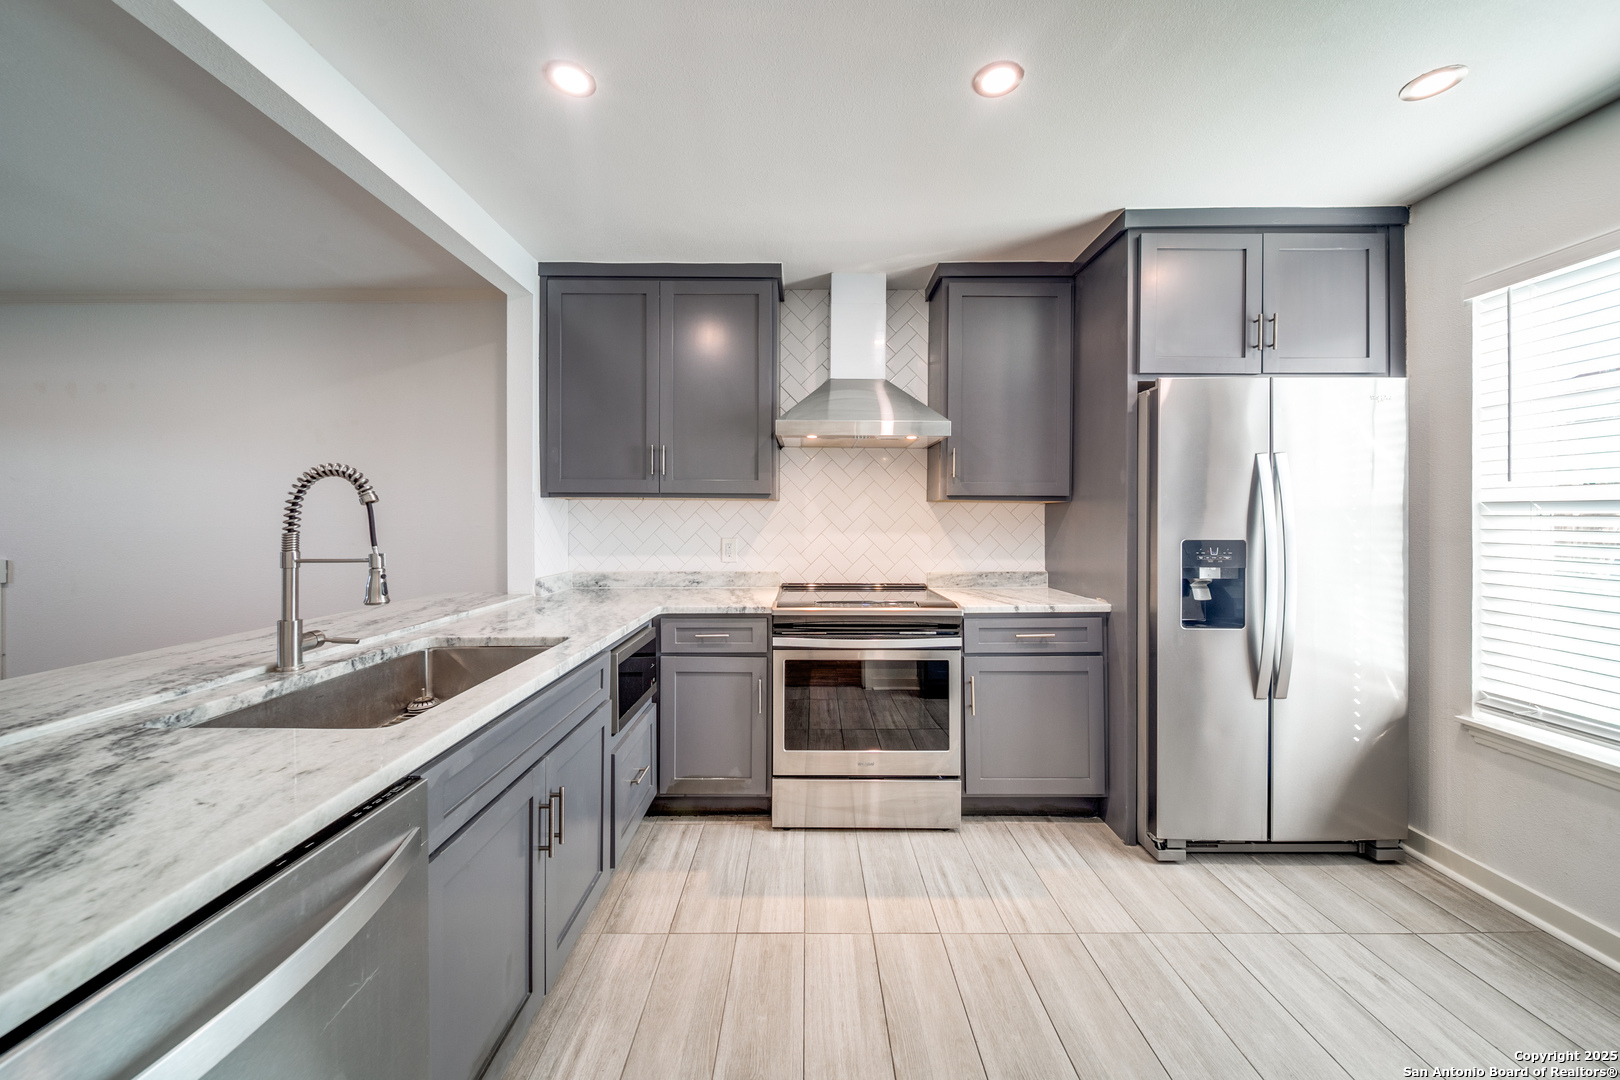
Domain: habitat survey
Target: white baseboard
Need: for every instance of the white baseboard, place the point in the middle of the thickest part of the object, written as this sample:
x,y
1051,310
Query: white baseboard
x,y
1593,939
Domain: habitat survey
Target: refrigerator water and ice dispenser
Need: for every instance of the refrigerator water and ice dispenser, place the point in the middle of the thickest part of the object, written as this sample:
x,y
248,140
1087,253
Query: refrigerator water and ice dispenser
x,y
1212,584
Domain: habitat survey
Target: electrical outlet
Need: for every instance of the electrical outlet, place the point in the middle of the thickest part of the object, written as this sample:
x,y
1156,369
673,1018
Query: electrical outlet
x,y
728,549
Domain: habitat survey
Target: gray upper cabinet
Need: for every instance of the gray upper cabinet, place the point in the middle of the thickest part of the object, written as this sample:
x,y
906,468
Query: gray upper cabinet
x,y
660,386
1001,369
1201,303
717,363
1273,302
1326,303
602,387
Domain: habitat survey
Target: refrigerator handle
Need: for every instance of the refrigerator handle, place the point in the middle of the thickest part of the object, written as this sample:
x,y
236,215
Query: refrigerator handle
x,y
1290,587
1271,581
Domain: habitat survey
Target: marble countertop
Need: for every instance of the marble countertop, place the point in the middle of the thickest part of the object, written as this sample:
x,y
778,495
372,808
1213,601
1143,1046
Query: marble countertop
x,y
119,817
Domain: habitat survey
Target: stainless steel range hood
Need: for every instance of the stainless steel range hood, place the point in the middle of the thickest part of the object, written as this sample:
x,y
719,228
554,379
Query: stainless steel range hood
x,y
857,406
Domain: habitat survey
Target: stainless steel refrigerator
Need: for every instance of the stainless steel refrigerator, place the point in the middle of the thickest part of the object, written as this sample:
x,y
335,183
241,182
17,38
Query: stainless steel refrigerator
x,y
1272,660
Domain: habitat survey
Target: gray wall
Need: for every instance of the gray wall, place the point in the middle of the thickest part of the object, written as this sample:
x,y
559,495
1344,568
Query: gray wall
x,y
1551,832
146,451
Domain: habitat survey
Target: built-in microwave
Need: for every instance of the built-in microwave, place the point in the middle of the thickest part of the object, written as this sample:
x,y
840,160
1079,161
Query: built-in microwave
x,y
634,678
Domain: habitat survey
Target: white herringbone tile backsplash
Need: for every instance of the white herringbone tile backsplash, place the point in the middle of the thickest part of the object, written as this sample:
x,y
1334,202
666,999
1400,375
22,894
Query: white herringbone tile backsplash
x,y
844,515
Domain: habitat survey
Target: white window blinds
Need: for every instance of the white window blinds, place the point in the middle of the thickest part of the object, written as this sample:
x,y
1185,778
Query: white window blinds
x,y
1547,492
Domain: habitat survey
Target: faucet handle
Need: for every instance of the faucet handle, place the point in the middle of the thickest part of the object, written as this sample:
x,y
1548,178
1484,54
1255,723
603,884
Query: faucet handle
x,y
314,639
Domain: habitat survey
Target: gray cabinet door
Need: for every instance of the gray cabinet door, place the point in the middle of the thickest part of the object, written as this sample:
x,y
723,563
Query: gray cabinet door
x,y
712,738
602,388
1009,362
1327,303
717,361
635,778
1199,303
479,944
1035,725
576,866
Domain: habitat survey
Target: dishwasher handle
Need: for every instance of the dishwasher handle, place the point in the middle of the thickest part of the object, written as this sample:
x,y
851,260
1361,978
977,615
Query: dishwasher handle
x,y
199,1052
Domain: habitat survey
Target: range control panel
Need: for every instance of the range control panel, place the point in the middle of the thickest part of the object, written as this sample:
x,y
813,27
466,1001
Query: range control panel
x,y
1213,579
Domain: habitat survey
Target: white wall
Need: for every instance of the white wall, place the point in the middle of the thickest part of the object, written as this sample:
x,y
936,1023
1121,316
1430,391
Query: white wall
x,y
146,451
1547,830
843,514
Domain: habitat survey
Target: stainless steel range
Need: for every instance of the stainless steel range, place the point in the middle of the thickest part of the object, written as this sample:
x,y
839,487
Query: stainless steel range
x,y
866,723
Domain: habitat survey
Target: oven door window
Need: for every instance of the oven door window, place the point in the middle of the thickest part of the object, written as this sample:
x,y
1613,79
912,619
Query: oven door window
x,y
866,705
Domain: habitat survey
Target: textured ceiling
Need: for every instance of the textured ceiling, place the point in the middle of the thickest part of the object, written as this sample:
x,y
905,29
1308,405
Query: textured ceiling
x,y
126,169
844,135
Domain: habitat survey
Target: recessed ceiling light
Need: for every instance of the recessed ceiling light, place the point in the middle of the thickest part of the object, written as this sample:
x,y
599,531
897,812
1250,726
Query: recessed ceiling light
x,y
1434,82
570,78
998,79
809,436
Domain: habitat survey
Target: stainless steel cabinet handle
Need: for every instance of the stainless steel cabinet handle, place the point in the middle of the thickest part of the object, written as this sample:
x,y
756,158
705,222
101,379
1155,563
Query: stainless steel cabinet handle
x,y
1273,321
973,698
1290,586
1034,635
759,688
562,814
663,460
229,1028
652,460
543,833
1271,595
641,774
700,637
1257,333
953,463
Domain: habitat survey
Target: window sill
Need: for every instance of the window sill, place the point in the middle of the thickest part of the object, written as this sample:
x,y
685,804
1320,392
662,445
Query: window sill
x,y
1572,754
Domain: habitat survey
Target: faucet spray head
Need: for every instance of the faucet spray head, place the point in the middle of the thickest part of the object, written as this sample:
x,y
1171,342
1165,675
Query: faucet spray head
x,y
377,580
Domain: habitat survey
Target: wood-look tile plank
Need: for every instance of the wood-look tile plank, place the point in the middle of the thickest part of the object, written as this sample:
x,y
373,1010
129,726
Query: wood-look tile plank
x,y
1503,1022
1014,1035
929,1035
1022,899
1467,905
961,903
1410,1015
773,894
680,1022
712,897
652,887
592,1034
895,896
1215,905
846,1036
1415,912
1544,994
1363,1046
1135,878
1312,881
1079,893
1273,901
1269,1036
834,890
1102,1041
762,1032
1595,980
1186,1039
527,1058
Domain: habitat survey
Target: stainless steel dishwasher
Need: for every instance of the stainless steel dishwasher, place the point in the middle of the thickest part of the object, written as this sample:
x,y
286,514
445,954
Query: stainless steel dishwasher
x,y
314,968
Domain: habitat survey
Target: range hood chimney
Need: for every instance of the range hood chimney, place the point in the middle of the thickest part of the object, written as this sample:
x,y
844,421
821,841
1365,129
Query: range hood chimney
x,y
856,406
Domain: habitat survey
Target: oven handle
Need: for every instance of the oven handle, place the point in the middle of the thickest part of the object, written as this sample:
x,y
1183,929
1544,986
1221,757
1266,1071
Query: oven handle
x,y
866,643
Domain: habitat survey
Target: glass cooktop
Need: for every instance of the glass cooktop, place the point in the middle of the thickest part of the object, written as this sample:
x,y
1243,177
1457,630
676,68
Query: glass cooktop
x,y
847,596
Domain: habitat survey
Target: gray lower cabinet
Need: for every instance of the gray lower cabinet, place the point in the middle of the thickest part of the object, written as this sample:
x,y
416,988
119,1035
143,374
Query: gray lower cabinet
x,y
635,777
479,930
660,387
712,730
1246,303
1001,369
576,851
1035,725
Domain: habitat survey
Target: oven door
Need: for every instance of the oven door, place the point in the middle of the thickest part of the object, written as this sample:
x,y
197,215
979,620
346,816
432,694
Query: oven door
x,y
866,712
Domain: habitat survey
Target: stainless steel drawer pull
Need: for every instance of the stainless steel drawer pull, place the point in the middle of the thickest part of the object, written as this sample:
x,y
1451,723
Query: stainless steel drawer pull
x,y
641,774
1034,635
220,1034
973,698
701,637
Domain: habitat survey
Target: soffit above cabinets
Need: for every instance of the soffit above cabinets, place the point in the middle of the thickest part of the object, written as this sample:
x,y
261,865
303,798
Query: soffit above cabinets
x,y
129,171
845,135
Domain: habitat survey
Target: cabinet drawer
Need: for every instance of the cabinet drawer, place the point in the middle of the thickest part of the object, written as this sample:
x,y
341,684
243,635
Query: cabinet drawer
x,y
1032,634
689,634
635,777
464,781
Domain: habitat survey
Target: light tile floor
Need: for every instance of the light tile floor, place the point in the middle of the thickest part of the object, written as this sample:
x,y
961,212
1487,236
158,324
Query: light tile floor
x,y
1043,948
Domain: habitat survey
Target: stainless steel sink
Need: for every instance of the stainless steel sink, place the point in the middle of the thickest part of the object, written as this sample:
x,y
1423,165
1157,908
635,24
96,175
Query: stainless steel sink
x,y
383,694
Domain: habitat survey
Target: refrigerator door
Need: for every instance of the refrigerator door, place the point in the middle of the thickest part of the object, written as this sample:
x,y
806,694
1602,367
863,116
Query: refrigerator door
x,y
1207,735
1339,755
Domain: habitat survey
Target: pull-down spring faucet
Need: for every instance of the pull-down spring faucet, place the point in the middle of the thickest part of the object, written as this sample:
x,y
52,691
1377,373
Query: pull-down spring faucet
x,y
290,629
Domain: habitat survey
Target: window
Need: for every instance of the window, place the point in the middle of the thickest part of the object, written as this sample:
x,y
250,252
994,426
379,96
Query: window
x,y
1547,499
